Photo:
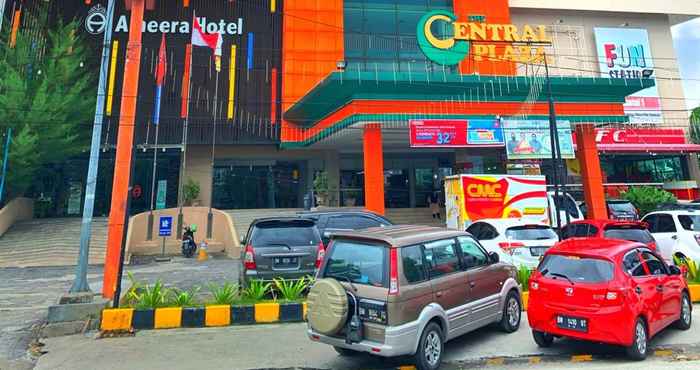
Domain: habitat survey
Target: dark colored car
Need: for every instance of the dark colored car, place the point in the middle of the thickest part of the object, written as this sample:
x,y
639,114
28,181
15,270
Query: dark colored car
x,y
328,222
286,247
606,291
622,210
634,231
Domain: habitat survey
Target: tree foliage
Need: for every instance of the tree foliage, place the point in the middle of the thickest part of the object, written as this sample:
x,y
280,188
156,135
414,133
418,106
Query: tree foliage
x,y
47,96
647,198
695,126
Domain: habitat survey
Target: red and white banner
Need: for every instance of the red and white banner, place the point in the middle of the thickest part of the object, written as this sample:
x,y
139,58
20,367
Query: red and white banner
x,y
641,140
438,133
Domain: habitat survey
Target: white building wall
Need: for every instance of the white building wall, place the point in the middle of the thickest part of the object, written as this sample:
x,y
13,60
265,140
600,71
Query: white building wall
x,y
576,54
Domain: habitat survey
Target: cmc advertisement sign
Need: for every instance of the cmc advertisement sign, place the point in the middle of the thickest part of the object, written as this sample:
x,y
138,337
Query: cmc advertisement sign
x,y
455,133
471,198
530,139
625,53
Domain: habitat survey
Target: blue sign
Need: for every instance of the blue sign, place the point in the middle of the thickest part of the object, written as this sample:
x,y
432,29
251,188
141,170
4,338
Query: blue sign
x,y
165,227
485,132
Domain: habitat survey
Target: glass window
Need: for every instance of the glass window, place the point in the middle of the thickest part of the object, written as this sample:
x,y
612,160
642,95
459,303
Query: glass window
x,y
289,233
665,224
632,263
351,222
413,264
651,220
531,232
577,269
475,229
622,207
472,253
579,231
690,222
655,266
442,257
632,233
361,263
567,204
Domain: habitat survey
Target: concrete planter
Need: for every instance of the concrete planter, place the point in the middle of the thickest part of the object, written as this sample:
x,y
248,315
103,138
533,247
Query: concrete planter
x,y
694,292
193,317
143,319
524,299
243,315
291,312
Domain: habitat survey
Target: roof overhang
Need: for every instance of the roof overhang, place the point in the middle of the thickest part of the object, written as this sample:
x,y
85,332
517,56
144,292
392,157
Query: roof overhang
x,y
341,88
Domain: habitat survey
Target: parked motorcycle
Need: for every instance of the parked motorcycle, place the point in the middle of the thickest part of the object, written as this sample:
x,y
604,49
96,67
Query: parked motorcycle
x,y
189,246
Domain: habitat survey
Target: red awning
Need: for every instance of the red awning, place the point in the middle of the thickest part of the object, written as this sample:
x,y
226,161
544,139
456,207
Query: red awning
x,y
649,148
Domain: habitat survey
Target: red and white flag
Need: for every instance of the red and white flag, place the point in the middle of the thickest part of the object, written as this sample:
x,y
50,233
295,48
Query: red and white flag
x,y
214,41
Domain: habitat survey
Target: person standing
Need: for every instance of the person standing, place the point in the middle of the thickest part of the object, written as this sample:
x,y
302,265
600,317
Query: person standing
x,y
434,203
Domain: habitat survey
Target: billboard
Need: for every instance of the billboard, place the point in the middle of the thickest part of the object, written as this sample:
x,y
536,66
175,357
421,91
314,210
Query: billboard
x,y
625,53
530,139
455,133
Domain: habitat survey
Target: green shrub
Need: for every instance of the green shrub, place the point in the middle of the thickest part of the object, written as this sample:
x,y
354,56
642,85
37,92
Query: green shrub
x,y
292,290
523,277
225,294
692,268
190,191
151,296
184,298
257,290
647,198
135,288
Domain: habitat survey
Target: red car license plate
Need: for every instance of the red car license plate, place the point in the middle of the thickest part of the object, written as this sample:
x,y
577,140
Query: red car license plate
x,y
572,323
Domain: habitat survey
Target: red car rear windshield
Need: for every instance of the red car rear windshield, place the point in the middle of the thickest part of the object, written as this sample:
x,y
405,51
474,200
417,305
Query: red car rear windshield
x,y
576,269
631,233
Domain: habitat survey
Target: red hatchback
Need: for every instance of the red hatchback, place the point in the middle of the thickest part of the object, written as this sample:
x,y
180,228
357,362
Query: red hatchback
x,y
608,291
634,231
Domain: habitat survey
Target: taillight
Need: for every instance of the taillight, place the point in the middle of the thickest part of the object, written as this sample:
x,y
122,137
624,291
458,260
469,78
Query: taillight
x,y
509,246
697,238
393,272
652,246
249,260
320,255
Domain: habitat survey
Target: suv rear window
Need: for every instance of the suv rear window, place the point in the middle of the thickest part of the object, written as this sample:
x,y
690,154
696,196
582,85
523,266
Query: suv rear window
x,y
291,233
632,233
691,223
577,269
531,232
358,262
622,207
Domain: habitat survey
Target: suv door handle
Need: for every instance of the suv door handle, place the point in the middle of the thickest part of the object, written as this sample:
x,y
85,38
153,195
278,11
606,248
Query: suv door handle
x,y
438,294
675,237
659,288
472,284
638,290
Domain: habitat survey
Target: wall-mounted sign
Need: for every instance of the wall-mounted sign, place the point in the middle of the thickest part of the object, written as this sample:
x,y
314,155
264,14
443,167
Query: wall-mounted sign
x,y
530,139
484,132
450,50
438,133
667,136
625,53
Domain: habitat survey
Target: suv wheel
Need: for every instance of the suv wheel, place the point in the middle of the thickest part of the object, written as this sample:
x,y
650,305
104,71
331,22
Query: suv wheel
x,y
640,344
512,312
430,348
344,352
543,340
686,318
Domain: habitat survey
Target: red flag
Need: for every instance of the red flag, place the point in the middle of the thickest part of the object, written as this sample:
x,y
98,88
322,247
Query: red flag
x,y
162,63
186,82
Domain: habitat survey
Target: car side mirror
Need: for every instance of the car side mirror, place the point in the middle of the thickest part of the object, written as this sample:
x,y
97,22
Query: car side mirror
x,y
326,234
675,270
493,257
242,239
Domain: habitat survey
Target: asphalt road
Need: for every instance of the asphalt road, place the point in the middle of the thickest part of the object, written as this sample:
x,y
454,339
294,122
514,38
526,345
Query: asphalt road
x,y
286,346
26,293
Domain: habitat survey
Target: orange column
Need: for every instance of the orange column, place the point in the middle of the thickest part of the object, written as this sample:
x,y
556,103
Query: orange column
x,y
125,143
592,176
374,168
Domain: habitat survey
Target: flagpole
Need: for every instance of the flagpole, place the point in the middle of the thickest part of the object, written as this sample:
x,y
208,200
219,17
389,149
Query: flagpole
x,y
183,161
210,215
155,159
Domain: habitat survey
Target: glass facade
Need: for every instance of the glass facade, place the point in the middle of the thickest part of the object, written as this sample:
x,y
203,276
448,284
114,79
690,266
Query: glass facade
x,y
380,35
641,169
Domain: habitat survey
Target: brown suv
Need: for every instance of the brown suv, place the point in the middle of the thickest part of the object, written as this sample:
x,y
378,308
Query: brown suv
x,y
406,290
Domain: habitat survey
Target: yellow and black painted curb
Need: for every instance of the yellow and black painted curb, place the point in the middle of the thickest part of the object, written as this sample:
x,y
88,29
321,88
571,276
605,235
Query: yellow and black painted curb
x,y
121,319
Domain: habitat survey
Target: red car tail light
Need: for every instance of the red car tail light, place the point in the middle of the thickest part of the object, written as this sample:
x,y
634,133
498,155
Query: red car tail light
x,y
393,272
320,255
249,260
509,246
652,246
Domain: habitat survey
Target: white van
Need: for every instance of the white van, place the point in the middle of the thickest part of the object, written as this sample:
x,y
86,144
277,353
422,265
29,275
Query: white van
x,y
569,210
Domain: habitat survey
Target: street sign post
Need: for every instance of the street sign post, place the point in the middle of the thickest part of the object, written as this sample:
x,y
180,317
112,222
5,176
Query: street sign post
x,y
165,229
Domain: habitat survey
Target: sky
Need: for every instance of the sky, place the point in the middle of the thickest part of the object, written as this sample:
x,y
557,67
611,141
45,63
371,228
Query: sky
x,y
686,39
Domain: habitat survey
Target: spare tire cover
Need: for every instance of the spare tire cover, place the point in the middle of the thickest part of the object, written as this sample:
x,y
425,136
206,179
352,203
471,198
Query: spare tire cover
x,y
327,306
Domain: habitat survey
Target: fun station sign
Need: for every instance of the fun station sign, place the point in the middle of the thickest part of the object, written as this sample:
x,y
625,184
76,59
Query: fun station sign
x,y
482,40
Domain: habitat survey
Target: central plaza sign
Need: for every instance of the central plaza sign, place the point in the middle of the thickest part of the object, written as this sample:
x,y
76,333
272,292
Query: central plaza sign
x,y
484,41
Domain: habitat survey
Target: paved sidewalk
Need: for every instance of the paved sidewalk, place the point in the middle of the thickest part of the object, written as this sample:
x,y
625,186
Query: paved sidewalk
x,y
26,293
286,346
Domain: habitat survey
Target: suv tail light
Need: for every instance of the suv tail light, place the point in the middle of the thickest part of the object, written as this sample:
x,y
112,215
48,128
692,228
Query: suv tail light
x,y
249,261
652,246
393,272
320,255
509,246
